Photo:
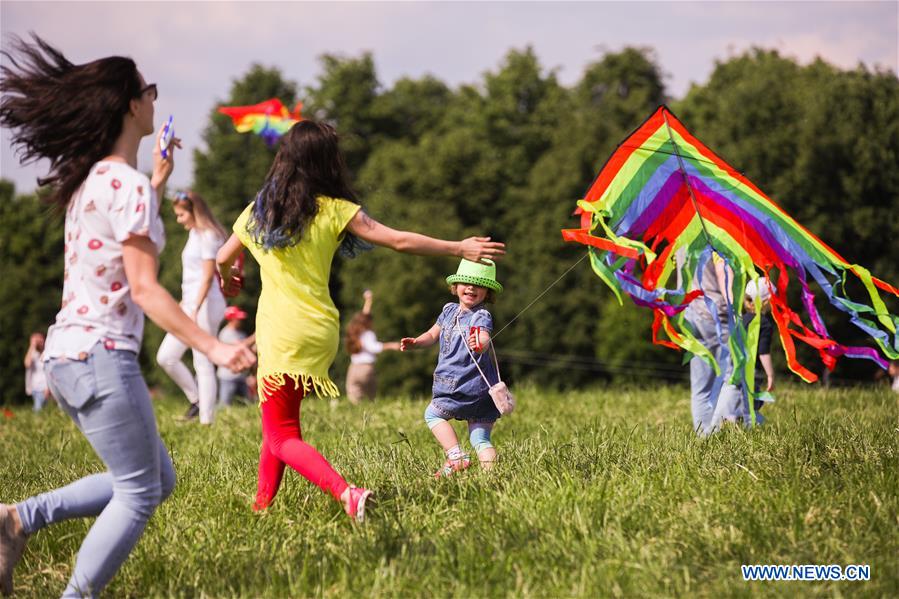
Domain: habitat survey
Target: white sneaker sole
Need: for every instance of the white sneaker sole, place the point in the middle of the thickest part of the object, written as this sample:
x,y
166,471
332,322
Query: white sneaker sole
x,y
360,508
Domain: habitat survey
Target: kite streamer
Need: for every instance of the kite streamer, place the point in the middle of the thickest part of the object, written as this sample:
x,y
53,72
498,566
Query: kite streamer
x,y
664,204
270,119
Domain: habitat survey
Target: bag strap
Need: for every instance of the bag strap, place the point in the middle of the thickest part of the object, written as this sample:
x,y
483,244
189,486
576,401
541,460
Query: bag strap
x,y
473,358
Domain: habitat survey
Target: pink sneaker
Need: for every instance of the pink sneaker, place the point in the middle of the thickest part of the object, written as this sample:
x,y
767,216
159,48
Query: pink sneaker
x,y
452,466
358,497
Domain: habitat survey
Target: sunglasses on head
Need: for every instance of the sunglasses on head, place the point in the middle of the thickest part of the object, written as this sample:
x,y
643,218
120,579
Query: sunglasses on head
x,y
181,196
150,88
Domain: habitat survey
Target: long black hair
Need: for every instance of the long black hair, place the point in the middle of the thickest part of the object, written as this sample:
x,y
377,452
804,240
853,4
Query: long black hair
x,y
70,114
308,164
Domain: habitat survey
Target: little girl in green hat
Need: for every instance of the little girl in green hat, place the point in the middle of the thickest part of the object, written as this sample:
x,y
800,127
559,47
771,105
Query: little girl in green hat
x,y
460,391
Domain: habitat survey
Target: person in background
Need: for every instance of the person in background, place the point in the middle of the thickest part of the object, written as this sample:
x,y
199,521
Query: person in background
x,y
35,381
363,346
708,317
201,300
894,374
733,404
232,383
761,290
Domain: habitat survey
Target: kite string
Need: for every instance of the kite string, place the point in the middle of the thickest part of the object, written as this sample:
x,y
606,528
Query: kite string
x,y
542,293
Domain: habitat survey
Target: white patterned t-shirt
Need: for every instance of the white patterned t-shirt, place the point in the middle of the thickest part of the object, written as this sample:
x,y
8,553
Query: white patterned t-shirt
x,y
114,202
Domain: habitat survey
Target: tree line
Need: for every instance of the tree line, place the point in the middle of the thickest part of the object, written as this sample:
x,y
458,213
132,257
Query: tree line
x,y
508,156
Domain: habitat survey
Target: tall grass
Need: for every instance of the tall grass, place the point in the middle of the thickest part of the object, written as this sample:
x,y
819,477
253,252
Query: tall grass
x,y
598,493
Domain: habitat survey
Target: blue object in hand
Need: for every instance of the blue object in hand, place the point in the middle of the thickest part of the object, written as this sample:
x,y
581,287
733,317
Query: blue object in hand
x,y
168,134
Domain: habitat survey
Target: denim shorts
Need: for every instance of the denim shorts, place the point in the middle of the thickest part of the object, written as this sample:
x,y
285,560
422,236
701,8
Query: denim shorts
x,y
481,409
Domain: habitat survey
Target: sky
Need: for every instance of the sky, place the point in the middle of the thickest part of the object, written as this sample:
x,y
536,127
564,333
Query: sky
x,y
194,50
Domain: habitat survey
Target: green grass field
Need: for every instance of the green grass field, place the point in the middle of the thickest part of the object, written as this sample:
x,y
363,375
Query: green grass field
x,y
598,493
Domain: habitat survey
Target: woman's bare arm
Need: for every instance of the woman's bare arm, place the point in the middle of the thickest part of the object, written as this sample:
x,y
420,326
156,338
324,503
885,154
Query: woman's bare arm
x,y
139,256
205,284
224,261
407,242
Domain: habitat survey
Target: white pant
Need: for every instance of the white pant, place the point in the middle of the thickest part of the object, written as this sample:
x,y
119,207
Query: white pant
x,y
202,389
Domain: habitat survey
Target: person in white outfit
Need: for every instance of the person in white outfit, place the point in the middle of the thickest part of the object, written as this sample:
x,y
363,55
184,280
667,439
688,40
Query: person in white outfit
x,y
363,346
894,375
201,300
35,380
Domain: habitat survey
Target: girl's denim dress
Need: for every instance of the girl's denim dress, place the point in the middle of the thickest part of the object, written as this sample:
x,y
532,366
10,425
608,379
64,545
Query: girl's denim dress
x,y
459,391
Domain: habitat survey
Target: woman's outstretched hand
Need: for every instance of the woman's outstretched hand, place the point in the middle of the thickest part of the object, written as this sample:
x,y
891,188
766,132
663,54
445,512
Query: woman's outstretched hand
x,y
476,249
407,343
236,357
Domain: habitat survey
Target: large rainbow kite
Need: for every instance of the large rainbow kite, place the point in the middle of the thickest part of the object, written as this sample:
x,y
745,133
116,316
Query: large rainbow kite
x,y
270,119
664,202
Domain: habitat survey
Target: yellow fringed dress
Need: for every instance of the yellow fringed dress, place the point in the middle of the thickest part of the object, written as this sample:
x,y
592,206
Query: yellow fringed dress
x,y
297,323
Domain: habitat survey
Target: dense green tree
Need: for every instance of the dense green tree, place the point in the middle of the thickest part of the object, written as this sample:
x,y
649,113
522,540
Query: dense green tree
x,y
345,95
412,108
31,242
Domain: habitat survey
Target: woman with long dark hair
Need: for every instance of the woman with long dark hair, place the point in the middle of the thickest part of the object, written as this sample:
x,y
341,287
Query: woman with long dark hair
x,y
201,299
88,121
303,214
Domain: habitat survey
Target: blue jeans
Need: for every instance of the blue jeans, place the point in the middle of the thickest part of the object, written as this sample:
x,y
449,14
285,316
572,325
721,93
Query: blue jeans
x,y
39,397
705,385
107,398
228,388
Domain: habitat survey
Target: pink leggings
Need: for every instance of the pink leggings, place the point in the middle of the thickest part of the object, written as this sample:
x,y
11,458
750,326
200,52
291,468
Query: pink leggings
x,y
282,444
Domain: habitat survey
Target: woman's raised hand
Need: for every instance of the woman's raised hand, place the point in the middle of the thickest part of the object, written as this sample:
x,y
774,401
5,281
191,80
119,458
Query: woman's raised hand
x,y
163,167
476,249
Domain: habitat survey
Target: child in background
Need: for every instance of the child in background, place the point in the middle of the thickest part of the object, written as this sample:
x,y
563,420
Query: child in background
x,y
303,214
35,380
363,346
459,391
231,383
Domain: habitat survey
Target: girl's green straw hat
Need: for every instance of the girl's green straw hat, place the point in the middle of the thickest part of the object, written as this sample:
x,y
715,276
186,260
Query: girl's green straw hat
x,y
475,273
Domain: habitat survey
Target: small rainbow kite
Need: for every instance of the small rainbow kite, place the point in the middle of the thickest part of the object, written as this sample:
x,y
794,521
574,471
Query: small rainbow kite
x,y
664,202
270,119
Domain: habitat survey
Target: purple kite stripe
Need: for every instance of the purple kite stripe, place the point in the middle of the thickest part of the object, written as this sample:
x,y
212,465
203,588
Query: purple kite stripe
x,y
652,199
